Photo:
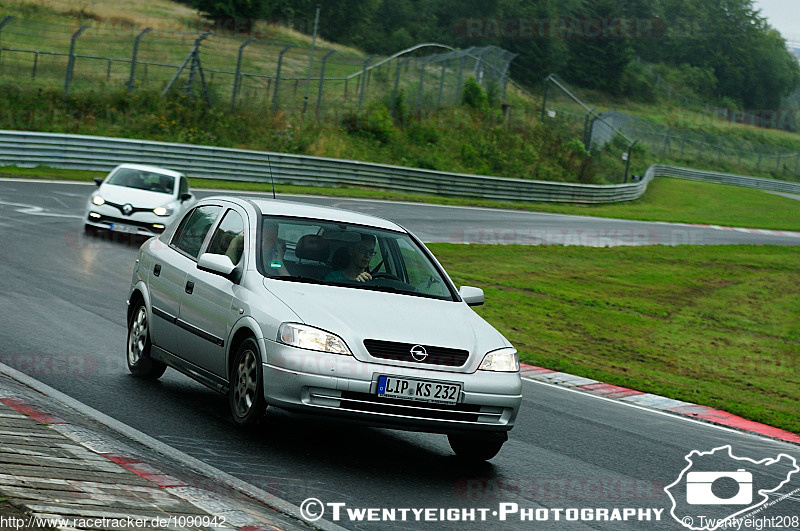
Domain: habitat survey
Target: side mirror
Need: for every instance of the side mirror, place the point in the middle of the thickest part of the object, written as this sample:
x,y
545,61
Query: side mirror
x,y
472,296
185,197
98,181
216,263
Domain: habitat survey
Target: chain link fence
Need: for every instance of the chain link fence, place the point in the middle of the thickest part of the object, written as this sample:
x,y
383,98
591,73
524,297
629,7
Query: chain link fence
x,y
565,109
680,144
240,71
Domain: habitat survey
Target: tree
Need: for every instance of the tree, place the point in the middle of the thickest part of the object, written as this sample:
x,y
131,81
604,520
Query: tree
x,y
598,56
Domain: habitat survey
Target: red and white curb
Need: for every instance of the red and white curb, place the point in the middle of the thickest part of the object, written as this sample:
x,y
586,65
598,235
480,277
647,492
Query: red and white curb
x,y
201,498
766,232
651,401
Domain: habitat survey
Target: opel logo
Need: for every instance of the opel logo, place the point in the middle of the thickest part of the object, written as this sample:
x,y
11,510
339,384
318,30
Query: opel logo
x,y
127,209
419,353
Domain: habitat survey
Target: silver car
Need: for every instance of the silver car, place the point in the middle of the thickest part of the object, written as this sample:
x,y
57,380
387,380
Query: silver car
x,y
137,199
324,311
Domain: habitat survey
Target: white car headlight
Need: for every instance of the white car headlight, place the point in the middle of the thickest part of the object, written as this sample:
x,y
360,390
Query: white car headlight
x,y
97,200
501,360
310,338
163,211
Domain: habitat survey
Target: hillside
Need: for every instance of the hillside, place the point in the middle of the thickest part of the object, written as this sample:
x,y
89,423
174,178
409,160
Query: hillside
x,y
371,121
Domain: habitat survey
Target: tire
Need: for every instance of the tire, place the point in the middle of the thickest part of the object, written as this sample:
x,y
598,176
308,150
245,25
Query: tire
x,y
477,446
139,361
246,386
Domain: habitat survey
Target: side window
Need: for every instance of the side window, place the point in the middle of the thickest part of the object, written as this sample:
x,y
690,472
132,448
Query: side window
x,y
193,229
184,186
228,239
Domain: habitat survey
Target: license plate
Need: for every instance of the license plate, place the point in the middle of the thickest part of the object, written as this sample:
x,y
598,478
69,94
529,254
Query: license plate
x,y
116,227
419,390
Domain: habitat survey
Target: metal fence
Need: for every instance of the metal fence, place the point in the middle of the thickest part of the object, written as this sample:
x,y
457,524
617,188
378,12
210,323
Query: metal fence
x,y
564,107
239,70
689,145
103,153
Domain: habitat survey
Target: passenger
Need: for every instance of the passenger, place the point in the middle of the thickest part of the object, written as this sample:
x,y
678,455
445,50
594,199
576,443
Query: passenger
x,y
356,267
272,250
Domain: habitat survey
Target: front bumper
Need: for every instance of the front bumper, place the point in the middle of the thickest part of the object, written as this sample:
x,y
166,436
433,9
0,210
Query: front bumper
x,y
143,224
331,384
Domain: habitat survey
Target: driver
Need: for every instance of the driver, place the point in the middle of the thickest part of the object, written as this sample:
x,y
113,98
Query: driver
x,y
359,256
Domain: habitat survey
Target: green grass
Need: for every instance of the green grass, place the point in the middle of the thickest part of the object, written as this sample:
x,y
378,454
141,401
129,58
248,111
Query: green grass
x,y
670,200
710,325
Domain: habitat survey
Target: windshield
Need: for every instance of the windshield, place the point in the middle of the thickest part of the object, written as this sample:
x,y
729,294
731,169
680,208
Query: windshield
x,y
355,256
143,180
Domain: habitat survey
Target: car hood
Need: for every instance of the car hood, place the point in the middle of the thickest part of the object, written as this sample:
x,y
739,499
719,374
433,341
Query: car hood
x,y
357,314
137,198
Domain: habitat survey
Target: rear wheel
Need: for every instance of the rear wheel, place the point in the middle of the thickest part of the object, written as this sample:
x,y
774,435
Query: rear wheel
x,y
139,361
246,392
477,446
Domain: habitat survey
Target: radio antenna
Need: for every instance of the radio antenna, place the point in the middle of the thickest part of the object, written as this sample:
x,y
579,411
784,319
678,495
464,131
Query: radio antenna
x,y
271,178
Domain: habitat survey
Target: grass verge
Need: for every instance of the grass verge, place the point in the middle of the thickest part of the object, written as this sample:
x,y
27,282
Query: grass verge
x,y
710,325
670,200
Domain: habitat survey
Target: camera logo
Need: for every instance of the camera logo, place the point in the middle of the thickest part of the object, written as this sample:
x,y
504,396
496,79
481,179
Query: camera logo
x,y
699,487
716,487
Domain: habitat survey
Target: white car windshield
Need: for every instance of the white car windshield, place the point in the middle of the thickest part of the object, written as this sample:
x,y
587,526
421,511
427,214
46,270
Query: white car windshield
x,y
143,180
326,252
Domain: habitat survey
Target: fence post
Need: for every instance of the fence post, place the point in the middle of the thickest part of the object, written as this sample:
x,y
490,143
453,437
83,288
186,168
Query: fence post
x,y
238,72
3,23
544,96
364,79
322,79
421,78
135,56
35,62
278,77
460,82
441,84
586,131
190,57
71,60
396,86
628,161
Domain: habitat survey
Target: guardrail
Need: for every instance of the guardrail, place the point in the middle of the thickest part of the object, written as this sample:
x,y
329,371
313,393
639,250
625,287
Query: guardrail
x,y
82,152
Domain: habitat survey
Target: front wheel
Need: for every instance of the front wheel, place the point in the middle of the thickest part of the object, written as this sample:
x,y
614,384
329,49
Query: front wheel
x,y
477,446
139,361
246,392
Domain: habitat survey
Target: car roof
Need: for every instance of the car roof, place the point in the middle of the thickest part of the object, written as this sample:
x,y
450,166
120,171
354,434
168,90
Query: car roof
x,y
277,207
153,169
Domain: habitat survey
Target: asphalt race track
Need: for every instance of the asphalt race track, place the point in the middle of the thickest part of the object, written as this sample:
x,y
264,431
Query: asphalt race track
x,y
62,321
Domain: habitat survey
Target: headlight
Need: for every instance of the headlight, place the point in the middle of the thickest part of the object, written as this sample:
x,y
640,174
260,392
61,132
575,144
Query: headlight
x,y
310,338
162,211
501,360
97,200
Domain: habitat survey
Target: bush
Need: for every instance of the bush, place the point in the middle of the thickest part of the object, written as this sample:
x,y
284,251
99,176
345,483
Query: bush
x,y
376,123
473,95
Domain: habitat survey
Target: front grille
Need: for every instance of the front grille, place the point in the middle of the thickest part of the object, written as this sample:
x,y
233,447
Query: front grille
x,y
390,350
408,408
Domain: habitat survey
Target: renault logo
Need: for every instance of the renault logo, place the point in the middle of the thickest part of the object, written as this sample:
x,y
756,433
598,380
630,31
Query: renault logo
x,y
419,353
127,209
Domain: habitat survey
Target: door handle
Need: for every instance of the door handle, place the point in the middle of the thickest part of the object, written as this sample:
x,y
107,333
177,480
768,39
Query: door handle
x,y
189,287
157,270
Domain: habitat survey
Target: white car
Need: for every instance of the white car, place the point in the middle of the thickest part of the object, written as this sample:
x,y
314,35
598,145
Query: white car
x,y
138,199
323,311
